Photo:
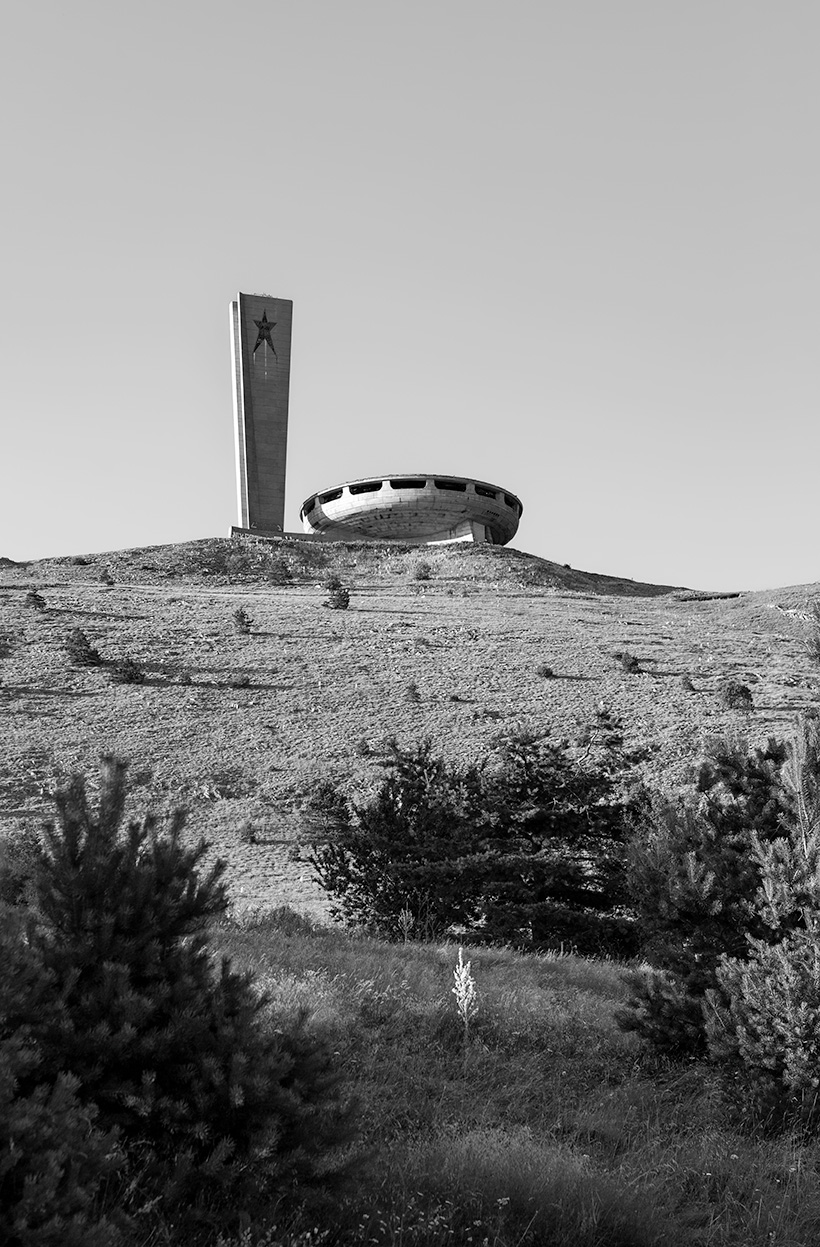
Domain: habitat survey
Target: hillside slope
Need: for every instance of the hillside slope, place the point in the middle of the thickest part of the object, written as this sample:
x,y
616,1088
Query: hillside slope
x,y
236,728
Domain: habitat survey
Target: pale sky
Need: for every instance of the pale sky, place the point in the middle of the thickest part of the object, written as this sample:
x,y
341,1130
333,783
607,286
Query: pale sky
x,y
566,246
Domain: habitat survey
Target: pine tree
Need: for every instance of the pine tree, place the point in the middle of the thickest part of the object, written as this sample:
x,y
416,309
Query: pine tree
x,y
530,851
763,1016
172,1049
53,1161
694,880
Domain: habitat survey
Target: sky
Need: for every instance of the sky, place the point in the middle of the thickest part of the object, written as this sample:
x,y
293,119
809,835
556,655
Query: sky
x,y
569,247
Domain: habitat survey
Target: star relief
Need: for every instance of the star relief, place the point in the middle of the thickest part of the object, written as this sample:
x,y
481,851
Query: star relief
x,y
264,326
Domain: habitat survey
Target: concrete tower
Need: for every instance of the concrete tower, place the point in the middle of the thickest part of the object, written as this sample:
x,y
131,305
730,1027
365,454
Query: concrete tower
x,y
260,350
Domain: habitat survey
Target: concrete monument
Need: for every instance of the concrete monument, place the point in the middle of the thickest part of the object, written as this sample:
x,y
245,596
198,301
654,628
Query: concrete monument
x,y
260,350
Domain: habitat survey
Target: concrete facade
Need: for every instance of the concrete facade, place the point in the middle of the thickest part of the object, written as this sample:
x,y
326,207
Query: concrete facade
x,y
419,507
260,352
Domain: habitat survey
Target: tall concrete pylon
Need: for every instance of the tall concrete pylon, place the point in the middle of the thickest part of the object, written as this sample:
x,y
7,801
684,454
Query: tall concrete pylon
x,y
260,353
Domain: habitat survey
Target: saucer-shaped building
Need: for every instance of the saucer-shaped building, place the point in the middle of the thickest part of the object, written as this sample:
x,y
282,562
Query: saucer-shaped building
x,y
418,508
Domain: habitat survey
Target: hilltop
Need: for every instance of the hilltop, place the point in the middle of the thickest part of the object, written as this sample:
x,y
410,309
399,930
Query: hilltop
x,y
237,728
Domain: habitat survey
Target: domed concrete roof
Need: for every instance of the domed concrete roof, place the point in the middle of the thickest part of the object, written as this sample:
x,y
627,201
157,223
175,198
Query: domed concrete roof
x,y
414,507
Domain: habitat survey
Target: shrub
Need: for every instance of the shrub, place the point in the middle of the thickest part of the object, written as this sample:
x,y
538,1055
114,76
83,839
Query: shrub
x,y
19,853
544,671
242,621
106,577
411,692
80,650
338,599
127,671
7,643
422,571
529,852
331,582
763,1016
733,695
53,1161
694,879
35,601
627,662
212,1102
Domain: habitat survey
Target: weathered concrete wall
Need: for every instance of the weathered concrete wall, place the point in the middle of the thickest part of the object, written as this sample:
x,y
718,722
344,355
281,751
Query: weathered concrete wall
x,y
415,508
260,349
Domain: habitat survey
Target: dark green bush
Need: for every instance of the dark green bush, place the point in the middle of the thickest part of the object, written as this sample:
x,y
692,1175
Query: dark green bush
x,y
242,621
733,695
763,1015
53,1161
338,599
216,1106
80,650
694,880
528,851
422,571
127,671
35,601
627,662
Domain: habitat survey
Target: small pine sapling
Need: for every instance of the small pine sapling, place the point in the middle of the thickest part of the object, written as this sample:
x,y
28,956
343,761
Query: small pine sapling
x,y
338,599
242,621
733,695
80,650
763,1016
127,671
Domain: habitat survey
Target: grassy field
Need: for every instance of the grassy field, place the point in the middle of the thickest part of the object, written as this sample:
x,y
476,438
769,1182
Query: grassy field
x,y
550,1125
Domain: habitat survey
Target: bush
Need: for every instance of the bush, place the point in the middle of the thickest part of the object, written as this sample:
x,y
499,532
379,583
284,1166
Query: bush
x,y
35,601
331,582
127,671
813,634
338,599
422,571
544,671
530,851
19,854
763,1016
733,695
106,577
214,1105
53,1161
627,662
242,621
80,650
694,879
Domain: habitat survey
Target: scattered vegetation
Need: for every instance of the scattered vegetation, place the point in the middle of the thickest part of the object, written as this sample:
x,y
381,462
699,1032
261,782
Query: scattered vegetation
x,y
35,600
545,671
127,671
627,662
242,621
423,570
338,599
80,650
733,695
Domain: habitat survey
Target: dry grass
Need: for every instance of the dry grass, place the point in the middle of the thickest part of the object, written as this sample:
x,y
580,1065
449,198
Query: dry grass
x,y
237,727
556,1124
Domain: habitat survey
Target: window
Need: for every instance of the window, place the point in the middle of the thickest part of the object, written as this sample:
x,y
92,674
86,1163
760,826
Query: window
x,y
457,486
331,497
407,484
485,492
369,487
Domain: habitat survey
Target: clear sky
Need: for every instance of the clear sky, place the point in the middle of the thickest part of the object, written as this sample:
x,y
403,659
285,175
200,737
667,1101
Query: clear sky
x,y
566,246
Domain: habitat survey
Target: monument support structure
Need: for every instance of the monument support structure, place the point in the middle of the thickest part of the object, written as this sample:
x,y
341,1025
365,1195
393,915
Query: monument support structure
x,y
260,353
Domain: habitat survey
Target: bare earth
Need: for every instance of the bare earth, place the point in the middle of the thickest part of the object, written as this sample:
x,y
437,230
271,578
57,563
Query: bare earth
x,y
328,687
